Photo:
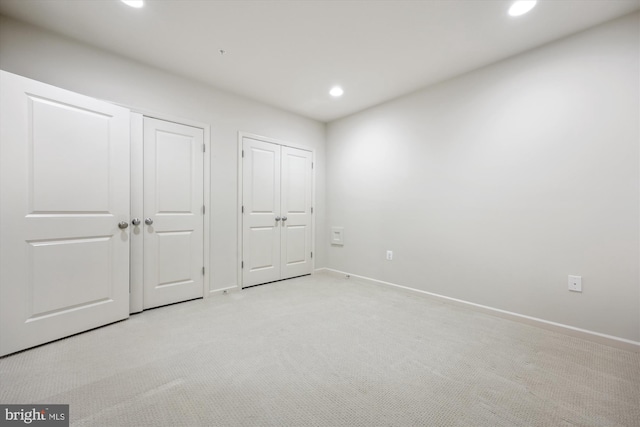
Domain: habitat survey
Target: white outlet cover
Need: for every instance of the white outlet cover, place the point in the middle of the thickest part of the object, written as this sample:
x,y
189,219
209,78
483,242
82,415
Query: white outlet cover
x,y
575,283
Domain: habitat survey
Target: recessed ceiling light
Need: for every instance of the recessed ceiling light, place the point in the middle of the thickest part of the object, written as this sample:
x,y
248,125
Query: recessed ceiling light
x,y
336,91
133,3
521,7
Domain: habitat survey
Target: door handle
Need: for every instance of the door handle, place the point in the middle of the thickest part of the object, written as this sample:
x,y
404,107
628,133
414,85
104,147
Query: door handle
x,y
284,218
277,218
122,225
148,221
135,221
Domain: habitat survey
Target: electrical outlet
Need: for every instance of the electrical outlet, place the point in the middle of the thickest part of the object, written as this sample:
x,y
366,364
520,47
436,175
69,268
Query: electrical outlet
x,y
389,255
575,283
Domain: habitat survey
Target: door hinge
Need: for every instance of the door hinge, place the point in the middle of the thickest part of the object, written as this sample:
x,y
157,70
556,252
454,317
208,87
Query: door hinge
x,y
243,209
311,209
203,271
242,153
242,264
203,209
311,165
311,254
204,148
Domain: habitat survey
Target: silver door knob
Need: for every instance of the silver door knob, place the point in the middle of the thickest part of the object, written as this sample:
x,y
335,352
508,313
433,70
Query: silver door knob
x,y
122,225
284,218
148,221
135,221
277,218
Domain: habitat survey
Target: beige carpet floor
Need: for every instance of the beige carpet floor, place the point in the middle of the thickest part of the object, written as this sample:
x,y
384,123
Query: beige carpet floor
x,y
323,351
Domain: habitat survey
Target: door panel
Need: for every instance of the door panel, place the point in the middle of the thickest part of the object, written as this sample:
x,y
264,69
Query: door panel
x,y
60,270
295,244
261,201
296,207
261,250
263,167
174,169
58,182
174,255
64,186
173,200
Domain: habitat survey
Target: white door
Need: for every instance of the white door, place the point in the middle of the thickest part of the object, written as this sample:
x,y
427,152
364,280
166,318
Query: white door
x,y
173,226
276,219
64,187
261,207
296,207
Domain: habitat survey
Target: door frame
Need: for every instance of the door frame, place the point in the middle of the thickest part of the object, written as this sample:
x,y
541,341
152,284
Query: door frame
x,y
136,288
241,136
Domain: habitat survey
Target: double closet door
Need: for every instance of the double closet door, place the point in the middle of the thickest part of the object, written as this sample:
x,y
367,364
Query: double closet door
x,y
66,220
276,212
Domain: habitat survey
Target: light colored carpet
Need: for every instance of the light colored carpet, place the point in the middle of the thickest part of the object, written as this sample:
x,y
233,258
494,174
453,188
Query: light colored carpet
x,y
322,351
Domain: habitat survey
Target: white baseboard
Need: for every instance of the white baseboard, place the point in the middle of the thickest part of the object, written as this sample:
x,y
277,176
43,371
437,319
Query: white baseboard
x,y
609,340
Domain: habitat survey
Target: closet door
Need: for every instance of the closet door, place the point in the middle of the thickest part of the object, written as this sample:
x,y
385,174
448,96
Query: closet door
x,y
173,222
276,219
296,186
64,213
261,212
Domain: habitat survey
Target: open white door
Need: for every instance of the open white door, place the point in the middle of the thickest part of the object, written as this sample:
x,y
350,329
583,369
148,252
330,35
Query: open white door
x,y
64,189
173,223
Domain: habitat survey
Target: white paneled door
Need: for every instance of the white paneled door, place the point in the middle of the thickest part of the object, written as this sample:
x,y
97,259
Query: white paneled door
x,y
277,208
295,230
64,213
173,223
261,241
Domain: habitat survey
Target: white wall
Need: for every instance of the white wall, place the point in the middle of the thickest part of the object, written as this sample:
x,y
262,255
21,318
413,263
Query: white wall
x,y
494,186
44,56
490,188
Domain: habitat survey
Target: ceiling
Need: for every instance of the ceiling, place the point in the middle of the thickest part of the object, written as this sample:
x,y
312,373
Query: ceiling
x,y
290,53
